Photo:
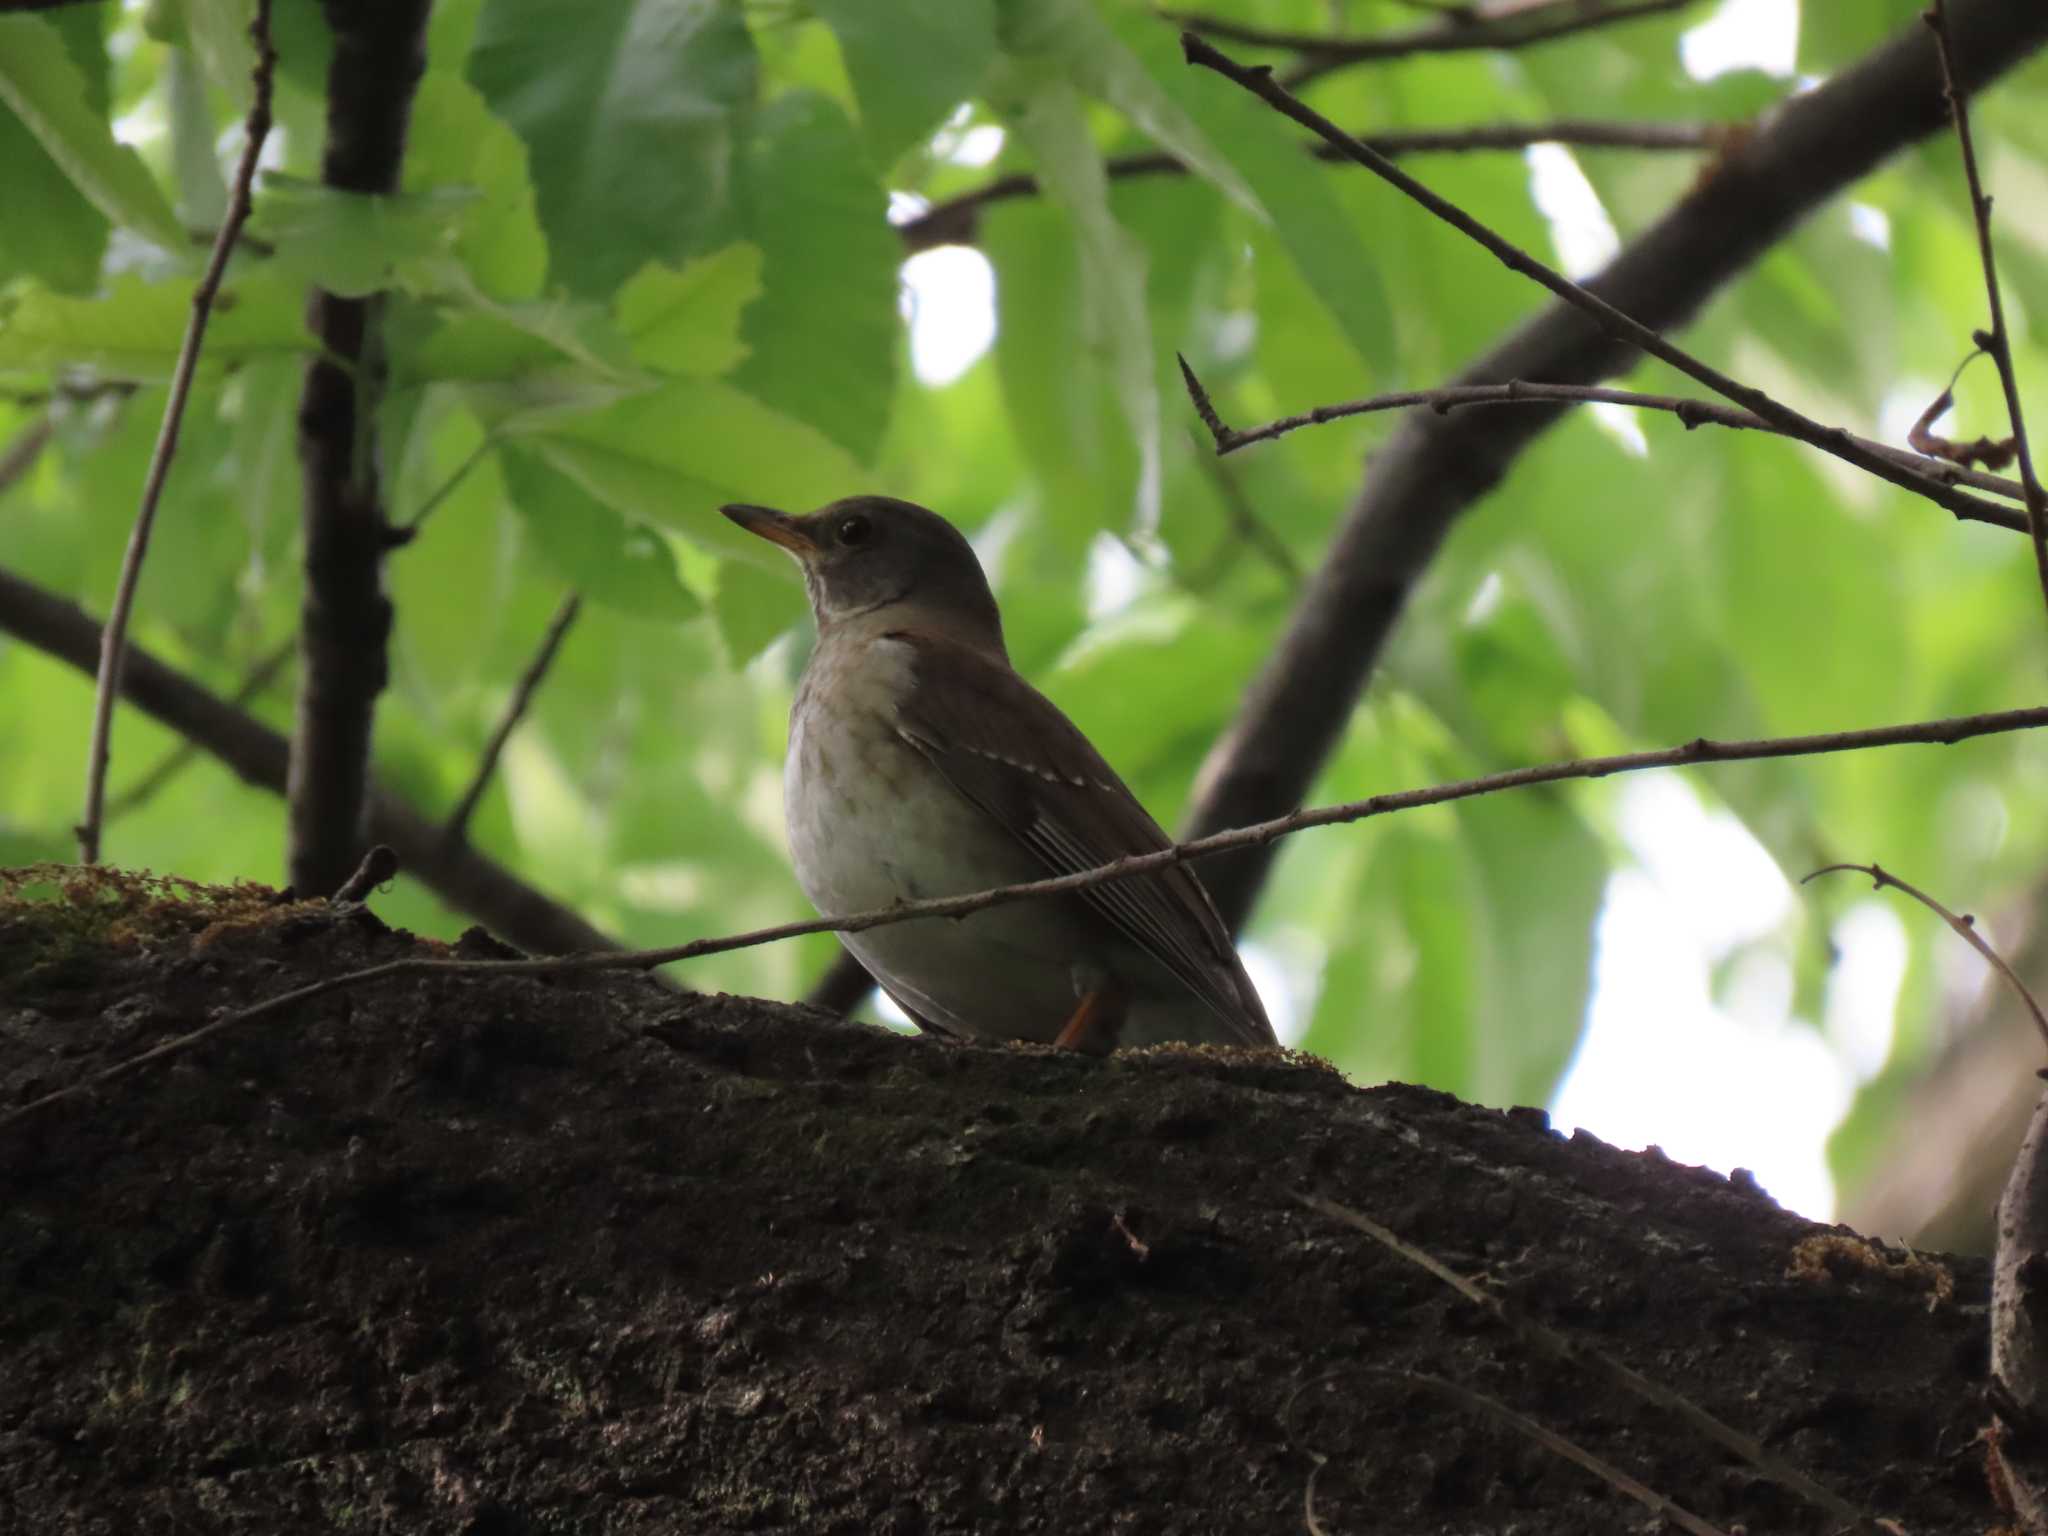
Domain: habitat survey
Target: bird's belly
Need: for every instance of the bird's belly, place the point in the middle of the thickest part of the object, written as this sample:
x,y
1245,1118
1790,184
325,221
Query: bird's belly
x,y
1003,973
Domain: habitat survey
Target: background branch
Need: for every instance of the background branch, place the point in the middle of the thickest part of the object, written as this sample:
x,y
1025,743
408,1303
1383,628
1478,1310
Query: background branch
x,y
953,221
24,449
1999,341
180,757
464,878
457,828
345,626
114,640
1692,413
1616,321
1500,26
1434,468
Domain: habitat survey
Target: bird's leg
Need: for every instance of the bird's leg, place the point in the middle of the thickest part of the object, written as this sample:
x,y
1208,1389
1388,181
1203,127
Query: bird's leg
x,y
1097,1019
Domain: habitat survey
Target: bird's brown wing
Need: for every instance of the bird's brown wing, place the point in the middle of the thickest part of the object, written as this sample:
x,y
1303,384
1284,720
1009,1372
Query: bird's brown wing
x,y
1007,748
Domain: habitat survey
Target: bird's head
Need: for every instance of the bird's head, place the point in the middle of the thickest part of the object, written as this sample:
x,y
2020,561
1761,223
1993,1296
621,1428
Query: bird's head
x,y
871,554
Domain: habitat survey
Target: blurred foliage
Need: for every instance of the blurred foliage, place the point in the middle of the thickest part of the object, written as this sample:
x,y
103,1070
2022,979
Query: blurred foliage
x,y
643,263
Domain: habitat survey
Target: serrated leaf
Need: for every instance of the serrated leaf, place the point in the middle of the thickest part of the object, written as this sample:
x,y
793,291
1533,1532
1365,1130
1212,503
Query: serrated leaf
x,y
688,321
912,62
822,337
754,606
1047,115
674,454
134,331
216,33
607,558
61,246
44,89
1061,401
359,243
1286,187
1070,40
628,109
454,141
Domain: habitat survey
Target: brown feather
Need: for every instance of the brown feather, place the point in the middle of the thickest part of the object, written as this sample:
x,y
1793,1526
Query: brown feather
x,y
1008,749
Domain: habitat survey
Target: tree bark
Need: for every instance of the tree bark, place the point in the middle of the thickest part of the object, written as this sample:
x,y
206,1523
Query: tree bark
x,y
508,1254
345,625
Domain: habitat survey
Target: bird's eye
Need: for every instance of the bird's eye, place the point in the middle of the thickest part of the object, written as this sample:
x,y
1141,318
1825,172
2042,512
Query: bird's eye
x,y
854,530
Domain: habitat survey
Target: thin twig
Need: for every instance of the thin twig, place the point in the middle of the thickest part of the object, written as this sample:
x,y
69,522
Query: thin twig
x,y
447,487
1558,1346
1998,341
174,762
1247,527
24,449
1933,732
1514,24
1622,327
113,641
379,866
952,222
1965,927
1691,413
1656,1503
457,829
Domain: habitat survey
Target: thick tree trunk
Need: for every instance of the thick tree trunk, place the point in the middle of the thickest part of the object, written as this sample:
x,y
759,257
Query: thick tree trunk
x,y
520,1255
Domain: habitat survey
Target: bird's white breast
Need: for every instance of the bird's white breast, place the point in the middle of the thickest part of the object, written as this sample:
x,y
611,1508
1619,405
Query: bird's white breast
x,y
873,822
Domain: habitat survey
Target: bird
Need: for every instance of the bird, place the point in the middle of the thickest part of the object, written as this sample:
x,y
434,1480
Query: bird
x,y
920,764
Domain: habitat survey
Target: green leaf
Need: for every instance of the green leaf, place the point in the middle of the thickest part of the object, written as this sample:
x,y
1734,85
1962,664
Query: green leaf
x,y
822,338
1288,188
216,33
550,356
674,454
359,243
688,321
754,607
607,558
62,244
135,330
1061,399
454,141
44,89
912,62
1069,40
202,190
628,111
1047,115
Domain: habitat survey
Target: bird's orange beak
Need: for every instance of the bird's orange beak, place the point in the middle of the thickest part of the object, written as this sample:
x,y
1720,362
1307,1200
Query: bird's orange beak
x,y
776,527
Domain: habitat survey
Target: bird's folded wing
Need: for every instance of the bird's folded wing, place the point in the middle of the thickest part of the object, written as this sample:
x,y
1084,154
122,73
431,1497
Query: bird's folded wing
x,y
1009,751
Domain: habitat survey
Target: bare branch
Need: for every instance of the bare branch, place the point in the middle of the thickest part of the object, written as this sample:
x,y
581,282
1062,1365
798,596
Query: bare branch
x,y
1432,469
1502,24
1623,327
1691,413
113,642
457,829
1998,341
467,880
953,221
1964,926
345,625
1939,732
